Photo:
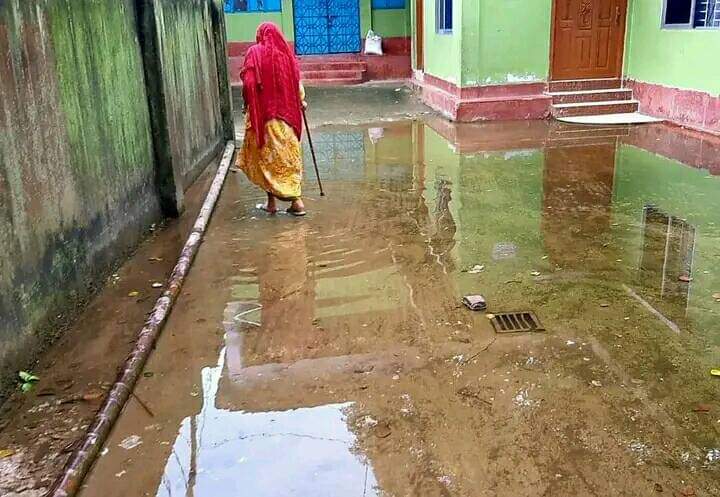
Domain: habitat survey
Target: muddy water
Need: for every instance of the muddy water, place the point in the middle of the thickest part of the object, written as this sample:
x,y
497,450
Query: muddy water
x,y
330,355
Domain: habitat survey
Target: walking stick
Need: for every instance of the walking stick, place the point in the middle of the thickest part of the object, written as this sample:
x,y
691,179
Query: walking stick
x,y
312,151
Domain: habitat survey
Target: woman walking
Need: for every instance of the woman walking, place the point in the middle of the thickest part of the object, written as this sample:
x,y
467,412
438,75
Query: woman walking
x,y
271,156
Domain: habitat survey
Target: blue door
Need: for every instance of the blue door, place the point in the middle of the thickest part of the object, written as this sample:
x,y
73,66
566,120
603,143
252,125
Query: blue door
x,y
327,26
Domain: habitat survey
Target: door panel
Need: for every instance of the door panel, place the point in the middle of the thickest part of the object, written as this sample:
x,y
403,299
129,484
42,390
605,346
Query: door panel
x,y
588,38
327,26
344,24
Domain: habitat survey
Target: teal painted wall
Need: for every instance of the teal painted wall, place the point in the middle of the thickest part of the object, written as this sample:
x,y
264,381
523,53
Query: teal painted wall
x,y
387,23
671,57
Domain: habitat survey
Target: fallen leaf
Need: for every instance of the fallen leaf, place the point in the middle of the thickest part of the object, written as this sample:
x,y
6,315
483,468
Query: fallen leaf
x,y
596,383
6,453
535,273
133,294
716,296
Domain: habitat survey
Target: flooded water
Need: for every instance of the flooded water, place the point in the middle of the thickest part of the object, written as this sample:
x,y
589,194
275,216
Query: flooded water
x,y
332,356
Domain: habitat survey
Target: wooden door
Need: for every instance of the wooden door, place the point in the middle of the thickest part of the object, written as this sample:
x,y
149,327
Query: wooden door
x,y
588,38
419,35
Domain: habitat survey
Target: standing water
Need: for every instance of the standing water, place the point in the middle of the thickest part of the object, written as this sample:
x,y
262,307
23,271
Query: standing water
x,y
331,356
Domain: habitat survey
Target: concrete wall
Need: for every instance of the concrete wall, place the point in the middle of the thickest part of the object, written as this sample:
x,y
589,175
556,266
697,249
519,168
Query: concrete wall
x,y
492,43
79,171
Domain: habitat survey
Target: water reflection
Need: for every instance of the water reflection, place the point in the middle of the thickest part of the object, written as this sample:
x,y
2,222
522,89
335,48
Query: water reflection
x,y
297,452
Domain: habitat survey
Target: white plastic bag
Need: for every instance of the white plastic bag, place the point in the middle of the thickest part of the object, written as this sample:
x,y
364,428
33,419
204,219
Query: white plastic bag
x,y
373,44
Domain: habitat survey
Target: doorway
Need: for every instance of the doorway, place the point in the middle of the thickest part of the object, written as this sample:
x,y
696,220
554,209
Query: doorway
x,y
327,26
588,39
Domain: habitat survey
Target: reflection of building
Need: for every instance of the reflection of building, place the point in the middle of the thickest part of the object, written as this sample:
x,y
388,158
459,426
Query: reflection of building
x,y
666,262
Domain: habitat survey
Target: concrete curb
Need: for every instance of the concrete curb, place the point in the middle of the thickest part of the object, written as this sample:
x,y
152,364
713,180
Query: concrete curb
x,y
83,457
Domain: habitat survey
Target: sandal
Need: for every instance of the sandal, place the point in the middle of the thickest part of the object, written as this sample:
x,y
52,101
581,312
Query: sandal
x,y
295,213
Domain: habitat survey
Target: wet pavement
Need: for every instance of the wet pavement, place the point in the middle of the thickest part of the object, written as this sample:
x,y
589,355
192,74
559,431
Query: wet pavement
x,y
331,355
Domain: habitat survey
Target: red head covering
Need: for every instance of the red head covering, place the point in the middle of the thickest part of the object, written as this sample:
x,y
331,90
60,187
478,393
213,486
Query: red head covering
x,y
271,82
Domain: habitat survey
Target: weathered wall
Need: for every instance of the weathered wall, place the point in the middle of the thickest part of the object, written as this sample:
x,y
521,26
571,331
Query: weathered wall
x,y
442,51
78,165
191,87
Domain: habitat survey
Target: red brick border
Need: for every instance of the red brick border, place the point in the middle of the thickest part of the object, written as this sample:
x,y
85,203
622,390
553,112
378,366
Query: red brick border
x,y
485,103
689,108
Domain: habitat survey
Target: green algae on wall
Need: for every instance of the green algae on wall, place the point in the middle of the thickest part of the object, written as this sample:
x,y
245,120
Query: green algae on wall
x,y
76,160
78,184
190,84
681,58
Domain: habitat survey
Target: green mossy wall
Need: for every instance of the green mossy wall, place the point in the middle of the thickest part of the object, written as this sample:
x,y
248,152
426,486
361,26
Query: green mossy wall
x,y
77,160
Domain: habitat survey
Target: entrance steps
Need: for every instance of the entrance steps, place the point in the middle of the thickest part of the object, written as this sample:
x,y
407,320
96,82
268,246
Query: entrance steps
x,y
324,71
590,97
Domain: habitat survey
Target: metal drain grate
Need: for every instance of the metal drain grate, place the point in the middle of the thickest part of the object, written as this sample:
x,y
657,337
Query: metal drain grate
x,y
516,322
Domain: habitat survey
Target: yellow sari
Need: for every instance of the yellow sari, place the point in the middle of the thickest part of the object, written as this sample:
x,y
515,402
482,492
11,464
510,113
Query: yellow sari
x,y
277,167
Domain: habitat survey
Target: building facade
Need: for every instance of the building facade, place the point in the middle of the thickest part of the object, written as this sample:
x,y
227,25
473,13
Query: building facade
x,y
519,59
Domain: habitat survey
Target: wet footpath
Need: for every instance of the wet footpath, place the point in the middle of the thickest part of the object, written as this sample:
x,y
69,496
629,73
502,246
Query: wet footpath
x,y
332,355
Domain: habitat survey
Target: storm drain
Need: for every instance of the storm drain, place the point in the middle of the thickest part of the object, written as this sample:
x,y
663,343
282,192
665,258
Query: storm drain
x,y
516,322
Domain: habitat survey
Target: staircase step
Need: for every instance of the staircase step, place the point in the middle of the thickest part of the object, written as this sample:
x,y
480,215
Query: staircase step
x,y
595,108
571,97
332,82
333,66
333,74
584,84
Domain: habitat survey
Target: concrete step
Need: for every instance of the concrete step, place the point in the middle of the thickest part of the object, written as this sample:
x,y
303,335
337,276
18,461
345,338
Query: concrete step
x,y
584,84
332,82
333,66
333,74
571,97
594,108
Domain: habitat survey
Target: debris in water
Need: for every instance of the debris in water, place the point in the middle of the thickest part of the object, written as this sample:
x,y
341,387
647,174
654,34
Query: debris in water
x,y
134,294
658,488
475,302
713,455
92,395
604,304
570,343
131,442
120,474
688,492
596,383
155,259
716,296
477,268
382,430
535,273
6,453
684,278
715,372
704,408
157,285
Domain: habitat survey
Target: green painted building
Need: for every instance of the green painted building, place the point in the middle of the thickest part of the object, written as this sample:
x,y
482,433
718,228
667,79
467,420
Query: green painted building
x,y
487,59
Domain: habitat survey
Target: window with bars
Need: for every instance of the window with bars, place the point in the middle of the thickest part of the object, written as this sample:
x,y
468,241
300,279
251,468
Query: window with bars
x,y
388,4
443,16
233,6
701,14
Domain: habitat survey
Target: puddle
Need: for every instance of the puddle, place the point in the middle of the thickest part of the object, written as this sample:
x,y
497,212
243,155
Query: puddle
x,y
349,366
